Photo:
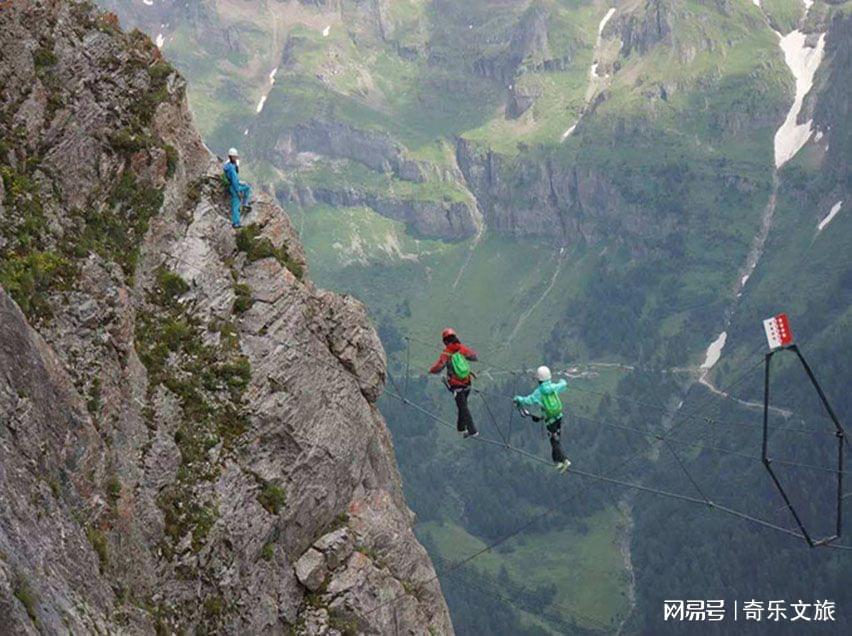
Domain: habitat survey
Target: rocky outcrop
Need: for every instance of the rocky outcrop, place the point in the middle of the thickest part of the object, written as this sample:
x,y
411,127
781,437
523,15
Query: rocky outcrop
x,y
643,28
831,107
319,140
561,202
521,99
525,48
377,151
188,433
447,220
49,466
529,37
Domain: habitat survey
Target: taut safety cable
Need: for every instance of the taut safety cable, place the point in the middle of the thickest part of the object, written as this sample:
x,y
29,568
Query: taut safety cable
x,y
657,407
574,471
665,438
611,480
559,503
590,478
680,442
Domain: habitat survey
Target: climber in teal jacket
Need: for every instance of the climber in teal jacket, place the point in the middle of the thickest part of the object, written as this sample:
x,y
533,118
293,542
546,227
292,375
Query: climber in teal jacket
x,y
546,397
240,191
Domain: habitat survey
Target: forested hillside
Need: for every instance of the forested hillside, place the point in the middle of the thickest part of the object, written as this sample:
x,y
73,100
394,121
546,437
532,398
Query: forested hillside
x,y
605,187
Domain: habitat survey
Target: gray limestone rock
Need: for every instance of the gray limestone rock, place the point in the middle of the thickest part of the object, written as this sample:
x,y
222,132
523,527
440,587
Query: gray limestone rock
x,y
337,546
171,459
311,570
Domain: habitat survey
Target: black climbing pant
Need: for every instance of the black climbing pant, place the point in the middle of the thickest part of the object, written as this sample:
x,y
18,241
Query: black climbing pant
x,y
554,431
465,420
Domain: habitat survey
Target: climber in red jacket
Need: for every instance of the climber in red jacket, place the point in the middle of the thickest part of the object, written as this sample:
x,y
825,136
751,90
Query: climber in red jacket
x,y
455,358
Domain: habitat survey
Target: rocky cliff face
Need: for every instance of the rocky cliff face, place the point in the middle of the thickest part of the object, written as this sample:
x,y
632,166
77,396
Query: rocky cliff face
x,y
523,46
645,26
189,439
331,141
377,151
446,220
559,201
830,104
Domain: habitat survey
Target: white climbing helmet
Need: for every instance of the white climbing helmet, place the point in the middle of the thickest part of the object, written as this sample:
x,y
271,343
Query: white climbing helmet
x,y
233,153
542,374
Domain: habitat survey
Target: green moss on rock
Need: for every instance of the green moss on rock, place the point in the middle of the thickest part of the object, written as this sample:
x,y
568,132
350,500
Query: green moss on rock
x,y
93,404
129,140
27,597
243,300
256,247
170,286
43,59
115,231
208,381
99,543
30,278
272,498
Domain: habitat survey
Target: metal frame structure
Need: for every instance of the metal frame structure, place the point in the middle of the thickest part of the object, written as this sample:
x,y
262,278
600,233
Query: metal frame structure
x,y
840,433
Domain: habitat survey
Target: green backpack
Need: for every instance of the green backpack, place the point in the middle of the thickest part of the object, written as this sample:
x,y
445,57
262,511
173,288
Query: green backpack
x,y
459,366
551,405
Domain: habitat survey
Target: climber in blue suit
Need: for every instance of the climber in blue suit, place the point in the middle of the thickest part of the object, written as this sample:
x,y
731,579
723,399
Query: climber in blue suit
x,y
240,191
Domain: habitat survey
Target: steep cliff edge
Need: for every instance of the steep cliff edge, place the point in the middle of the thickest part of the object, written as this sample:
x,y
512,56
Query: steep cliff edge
x,y
830,105
188,433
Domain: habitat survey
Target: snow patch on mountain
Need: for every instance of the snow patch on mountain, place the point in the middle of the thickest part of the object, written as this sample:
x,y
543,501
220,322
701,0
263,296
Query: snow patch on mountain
x,y
714,351
831,214
605,19
593,69
263,97
803,61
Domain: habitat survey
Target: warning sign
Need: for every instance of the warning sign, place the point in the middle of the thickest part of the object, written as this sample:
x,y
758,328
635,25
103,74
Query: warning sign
x,y
778,333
